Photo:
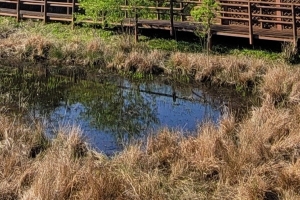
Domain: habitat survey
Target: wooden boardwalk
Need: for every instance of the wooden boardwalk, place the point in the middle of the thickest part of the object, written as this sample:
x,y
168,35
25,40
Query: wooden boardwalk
x,y
224,30
265,20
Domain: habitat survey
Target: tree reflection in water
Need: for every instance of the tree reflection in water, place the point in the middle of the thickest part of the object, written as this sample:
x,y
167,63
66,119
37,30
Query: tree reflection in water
x,y
124,113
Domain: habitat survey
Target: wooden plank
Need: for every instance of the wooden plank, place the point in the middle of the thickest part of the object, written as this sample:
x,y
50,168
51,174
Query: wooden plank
x,y
58,15
60,19
275,22
8,1
32,13
8,10
32,17
8,14
271,16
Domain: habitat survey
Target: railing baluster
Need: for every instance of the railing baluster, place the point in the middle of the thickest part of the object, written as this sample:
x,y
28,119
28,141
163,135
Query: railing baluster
x,y
136,28
126,12
18,10
171,19
73,14
181,12
295,39
158,14
250,24
278,13
45,11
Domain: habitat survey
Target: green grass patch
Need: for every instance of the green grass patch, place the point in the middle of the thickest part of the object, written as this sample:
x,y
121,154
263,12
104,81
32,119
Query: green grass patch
x,y
173,45
256,53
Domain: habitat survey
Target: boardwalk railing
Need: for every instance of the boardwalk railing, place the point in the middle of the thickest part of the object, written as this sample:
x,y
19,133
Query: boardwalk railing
x,y
274,20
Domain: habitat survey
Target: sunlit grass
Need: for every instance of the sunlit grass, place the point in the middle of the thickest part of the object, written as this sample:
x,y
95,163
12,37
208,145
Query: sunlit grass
x,y
256,53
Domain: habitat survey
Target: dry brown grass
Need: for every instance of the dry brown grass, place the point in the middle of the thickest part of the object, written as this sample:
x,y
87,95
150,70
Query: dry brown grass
x,y
281,84
228,70
257,158
122,53
139,61
37,45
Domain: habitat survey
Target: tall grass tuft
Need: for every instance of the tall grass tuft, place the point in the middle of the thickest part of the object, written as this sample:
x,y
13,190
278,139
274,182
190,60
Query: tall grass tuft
x,y
290,52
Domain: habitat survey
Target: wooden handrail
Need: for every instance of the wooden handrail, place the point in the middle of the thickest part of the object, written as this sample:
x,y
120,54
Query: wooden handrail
x,y
241,12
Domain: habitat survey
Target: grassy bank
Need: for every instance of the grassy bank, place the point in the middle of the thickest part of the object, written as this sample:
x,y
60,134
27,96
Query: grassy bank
x,y
58,45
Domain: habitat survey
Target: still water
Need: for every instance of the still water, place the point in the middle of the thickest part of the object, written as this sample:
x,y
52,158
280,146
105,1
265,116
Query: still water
x,y
110,110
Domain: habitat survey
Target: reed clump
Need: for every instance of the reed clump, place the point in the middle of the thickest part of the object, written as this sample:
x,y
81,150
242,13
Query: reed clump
x,y
221,70
281,84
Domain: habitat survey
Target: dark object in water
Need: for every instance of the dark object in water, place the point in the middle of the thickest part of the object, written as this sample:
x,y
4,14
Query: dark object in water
x,y
174,96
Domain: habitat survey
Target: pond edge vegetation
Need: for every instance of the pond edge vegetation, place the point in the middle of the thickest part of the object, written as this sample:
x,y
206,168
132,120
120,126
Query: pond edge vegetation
x,y
255,158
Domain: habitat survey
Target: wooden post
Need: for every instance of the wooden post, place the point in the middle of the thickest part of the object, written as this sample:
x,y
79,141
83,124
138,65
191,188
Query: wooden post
x,y
18,10
171,19
136,27
103,18
181,12
45,11
295,37
68,8
250,24
278,14
126,12
158,14
73,13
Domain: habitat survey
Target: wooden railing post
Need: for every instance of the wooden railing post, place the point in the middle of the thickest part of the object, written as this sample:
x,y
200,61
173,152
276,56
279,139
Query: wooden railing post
x,y
181,12
18,10
73,14
45,11
250,23
136,28
171,19
158,14
126,13
278,14
68,8
295,37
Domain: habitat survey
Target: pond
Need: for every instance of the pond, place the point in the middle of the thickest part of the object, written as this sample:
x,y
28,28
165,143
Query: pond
x,y
112,110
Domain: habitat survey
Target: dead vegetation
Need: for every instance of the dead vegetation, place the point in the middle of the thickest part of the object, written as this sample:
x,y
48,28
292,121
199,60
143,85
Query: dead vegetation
x,y
257,158
30,43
